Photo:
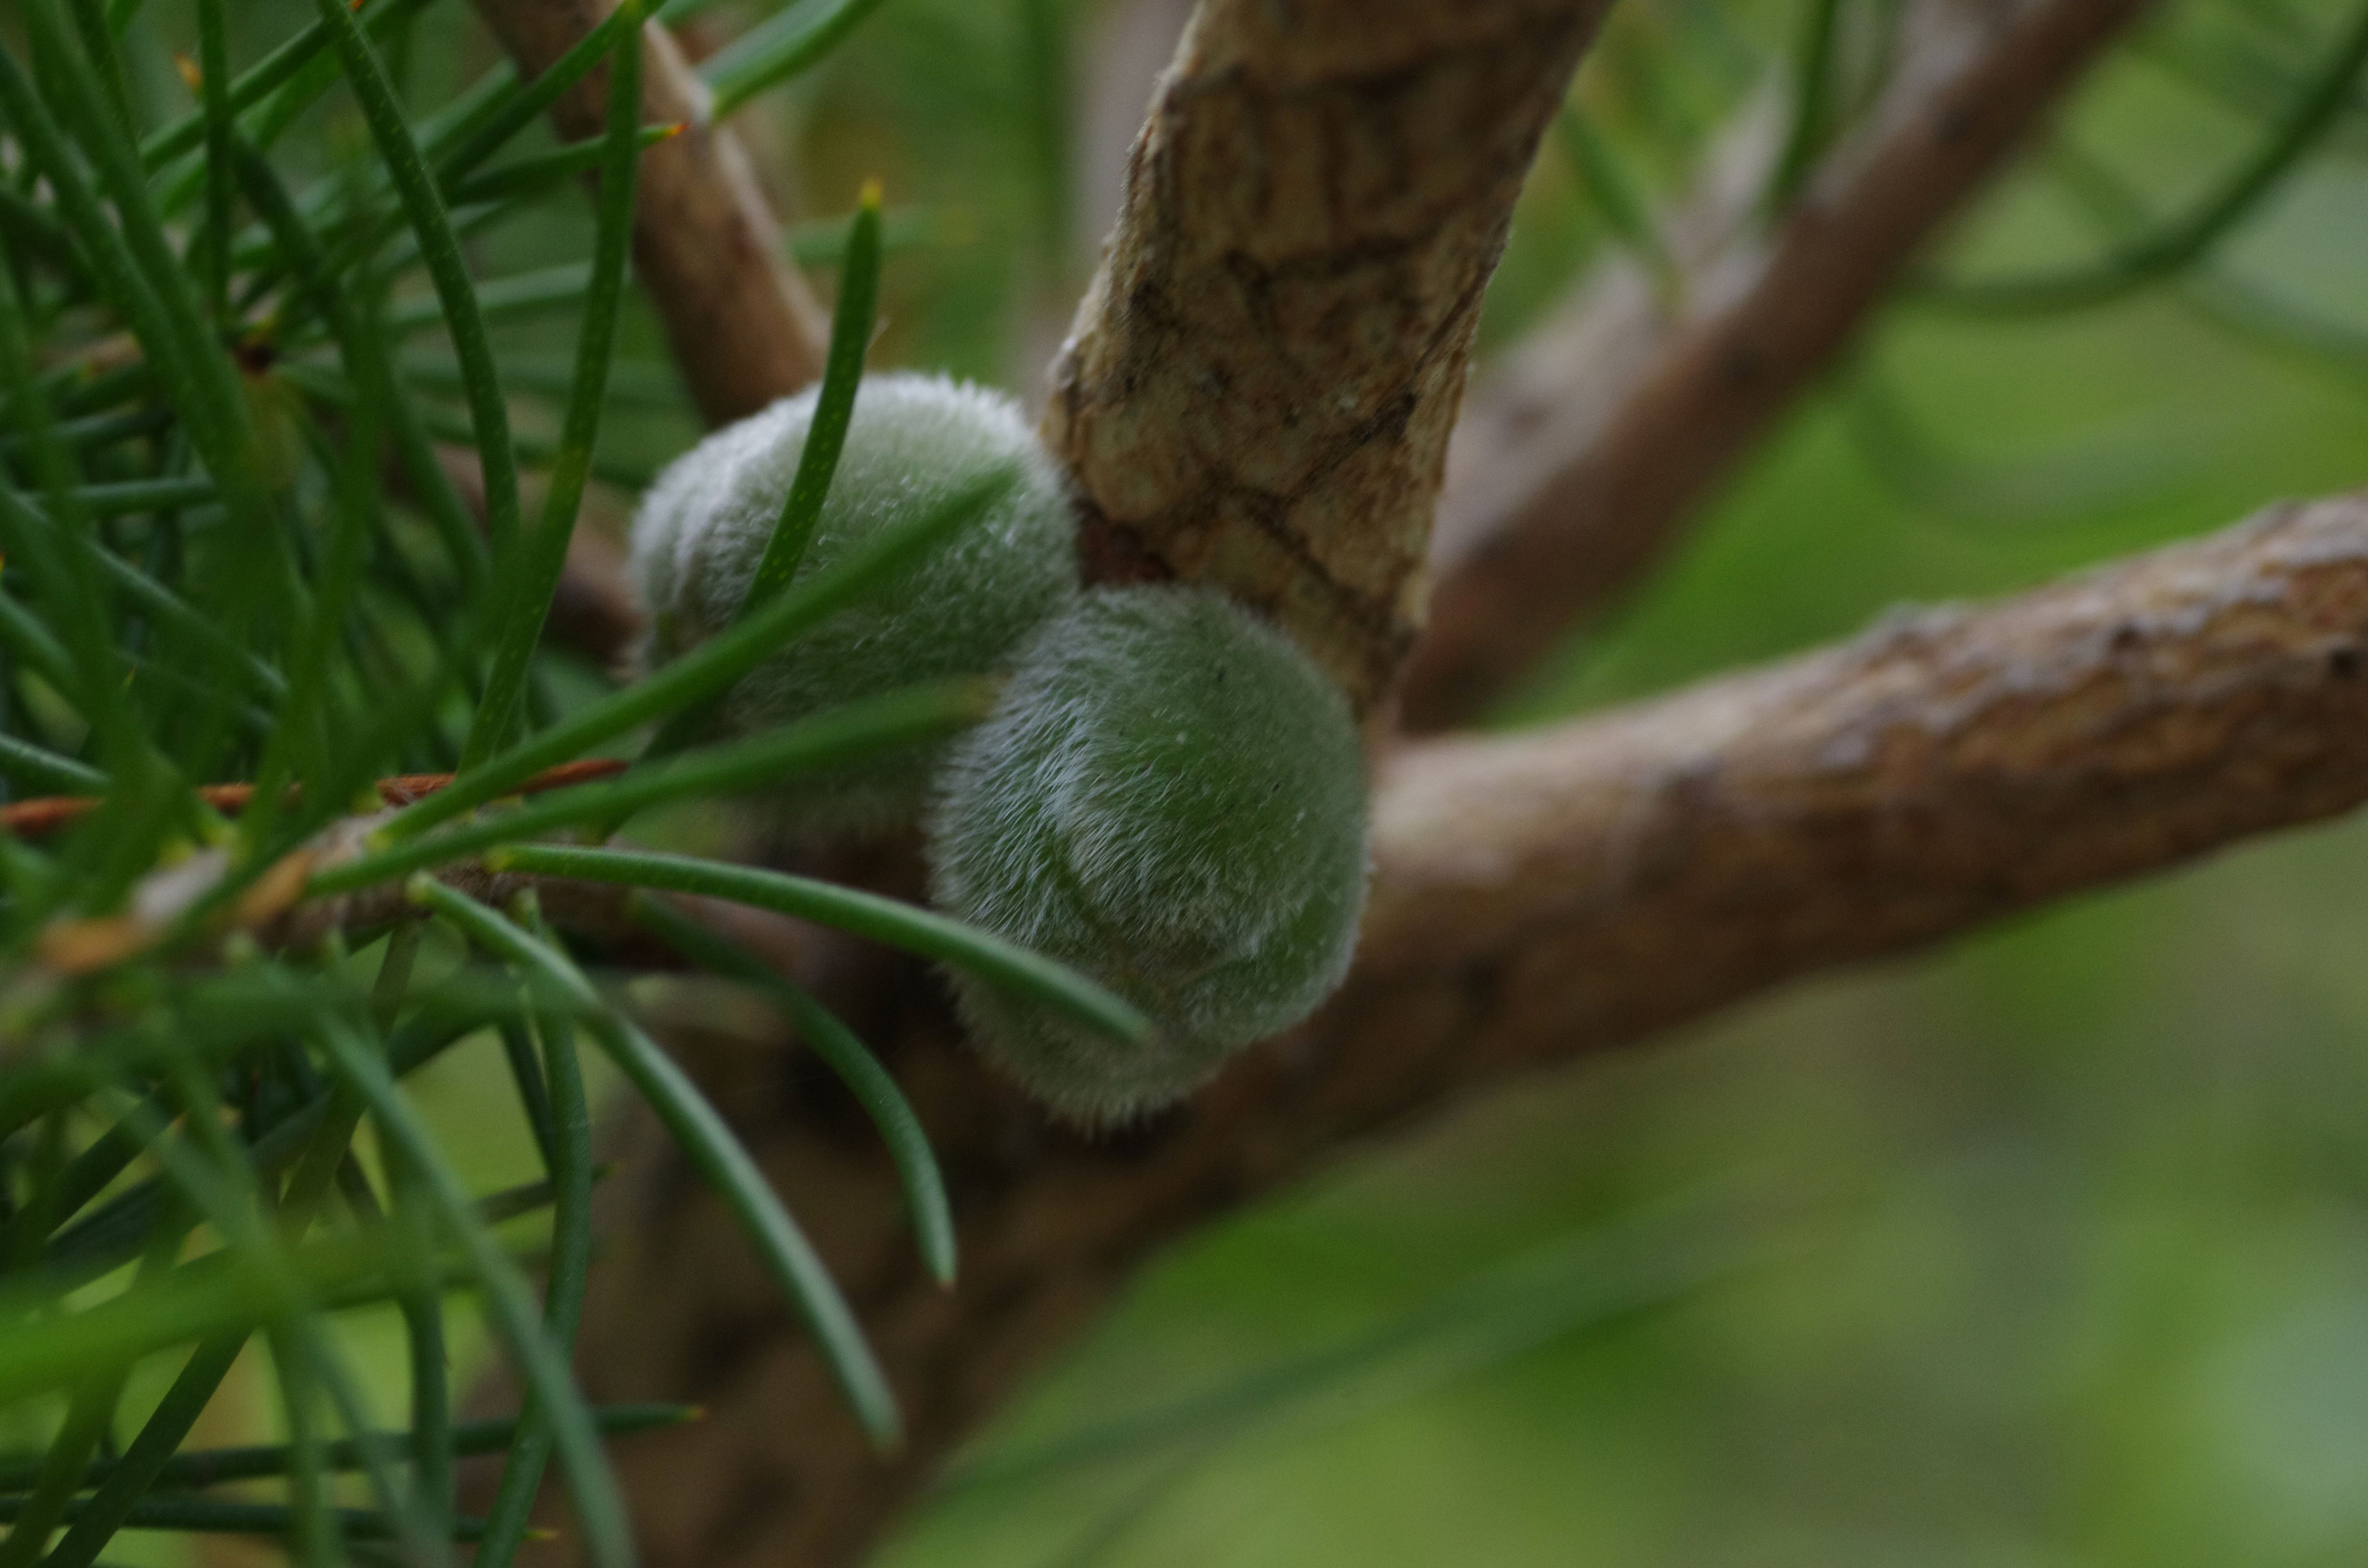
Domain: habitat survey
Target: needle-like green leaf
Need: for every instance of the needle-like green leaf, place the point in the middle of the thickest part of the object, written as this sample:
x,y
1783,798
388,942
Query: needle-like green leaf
x,y
423,201
600,1507
45,772
571,1174
363,349
778,47
844,735
215,87
708,1141
842,378
891,1112
518,107
212,1467
527,581
704,671
867,915
211,1516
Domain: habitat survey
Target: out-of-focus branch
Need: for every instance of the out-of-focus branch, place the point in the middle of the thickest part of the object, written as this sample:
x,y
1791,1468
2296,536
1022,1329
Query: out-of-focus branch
x,y
1259,386
1536,899
1576,467
743,326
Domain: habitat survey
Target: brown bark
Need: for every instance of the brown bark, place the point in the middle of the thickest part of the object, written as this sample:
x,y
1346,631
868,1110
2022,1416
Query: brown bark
x,y
1260,385
1583,462
741,322
1536,899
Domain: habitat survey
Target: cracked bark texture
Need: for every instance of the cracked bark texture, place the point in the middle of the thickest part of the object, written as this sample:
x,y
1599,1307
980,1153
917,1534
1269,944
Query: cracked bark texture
x,y
1259,388
1630,872
742,324
1581,461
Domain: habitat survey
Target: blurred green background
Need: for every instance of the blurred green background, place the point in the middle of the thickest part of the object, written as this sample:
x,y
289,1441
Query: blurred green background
x,y
2047,1248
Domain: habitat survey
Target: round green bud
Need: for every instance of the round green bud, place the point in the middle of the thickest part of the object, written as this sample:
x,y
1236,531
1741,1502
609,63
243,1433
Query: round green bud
x,y
914,443
1170,799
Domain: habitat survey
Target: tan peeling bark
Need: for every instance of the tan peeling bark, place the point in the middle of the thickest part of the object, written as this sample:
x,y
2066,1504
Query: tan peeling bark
x,y
1259,388
1605,436
743,326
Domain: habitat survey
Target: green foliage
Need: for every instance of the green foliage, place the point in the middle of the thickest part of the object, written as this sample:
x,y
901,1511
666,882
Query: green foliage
x,y
1170,798
237,318
240,584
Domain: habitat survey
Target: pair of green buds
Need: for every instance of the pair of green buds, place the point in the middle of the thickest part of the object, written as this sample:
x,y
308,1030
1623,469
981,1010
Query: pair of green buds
x,y
1169,796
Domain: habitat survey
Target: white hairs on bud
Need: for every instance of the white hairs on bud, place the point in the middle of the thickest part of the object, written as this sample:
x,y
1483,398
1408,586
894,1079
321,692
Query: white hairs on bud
x,y
914,443
1169,798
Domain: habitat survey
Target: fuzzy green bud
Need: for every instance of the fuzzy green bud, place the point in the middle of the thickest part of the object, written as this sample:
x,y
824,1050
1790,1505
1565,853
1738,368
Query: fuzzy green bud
x,y
1170,799
914,443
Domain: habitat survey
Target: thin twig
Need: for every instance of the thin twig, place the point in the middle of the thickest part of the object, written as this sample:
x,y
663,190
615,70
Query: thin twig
x,y
45,814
